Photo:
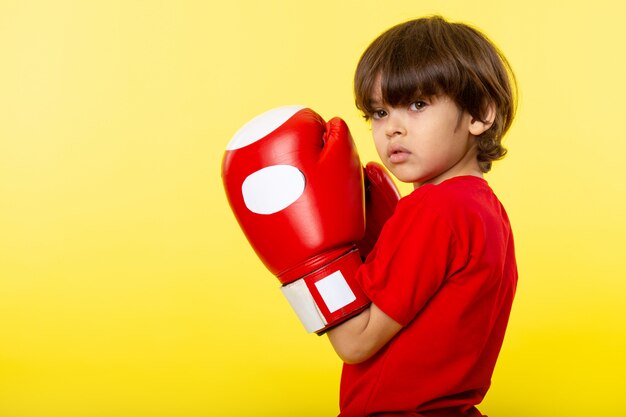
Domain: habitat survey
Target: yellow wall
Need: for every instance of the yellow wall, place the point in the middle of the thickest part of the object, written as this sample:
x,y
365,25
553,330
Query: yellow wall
x,y
127,288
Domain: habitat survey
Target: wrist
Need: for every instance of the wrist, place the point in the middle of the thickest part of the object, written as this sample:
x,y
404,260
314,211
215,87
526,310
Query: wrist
x,y
329,295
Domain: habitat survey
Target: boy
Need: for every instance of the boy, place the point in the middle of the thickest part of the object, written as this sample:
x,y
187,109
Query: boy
x,y
443,274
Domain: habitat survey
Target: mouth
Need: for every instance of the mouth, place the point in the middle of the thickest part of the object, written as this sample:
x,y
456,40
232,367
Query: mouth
x,y
397,154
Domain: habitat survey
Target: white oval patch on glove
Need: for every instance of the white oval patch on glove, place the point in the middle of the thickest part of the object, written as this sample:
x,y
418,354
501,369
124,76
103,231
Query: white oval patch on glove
x,y
261,126
272,189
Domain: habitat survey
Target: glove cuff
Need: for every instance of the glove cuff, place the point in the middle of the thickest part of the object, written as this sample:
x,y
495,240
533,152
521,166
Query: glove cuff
x,y
329,295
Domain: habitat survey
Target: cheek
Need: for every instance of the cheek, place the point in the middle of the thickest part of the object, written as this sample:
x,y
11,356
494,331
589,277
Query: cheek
x,y
379,141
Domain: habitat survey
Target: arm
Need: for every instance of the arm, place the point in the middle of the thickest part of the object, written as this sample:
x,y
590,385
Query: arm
x,y
359,338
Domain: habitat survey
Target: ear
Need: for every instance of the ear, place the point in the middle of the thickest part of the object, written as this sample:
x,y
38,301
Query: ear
x,y
477,126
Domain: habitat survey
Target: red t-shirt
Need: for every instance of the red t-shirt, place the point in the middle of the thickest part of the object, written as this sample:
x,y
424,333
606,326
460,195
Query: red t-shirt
x,y
443,267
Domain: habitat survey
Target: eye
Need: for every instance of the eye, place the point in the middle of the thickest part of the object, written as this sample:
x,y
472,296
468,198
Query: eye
x,y
418,105
378,114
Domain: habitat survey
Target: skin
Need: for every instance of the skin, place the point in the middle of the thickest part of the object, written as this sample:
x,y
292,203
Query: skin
x,y
427,142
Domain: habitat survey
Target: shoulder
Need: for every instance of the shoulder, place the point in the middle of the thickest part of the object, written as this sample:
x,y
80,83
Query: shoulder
x,y
459,203
455,194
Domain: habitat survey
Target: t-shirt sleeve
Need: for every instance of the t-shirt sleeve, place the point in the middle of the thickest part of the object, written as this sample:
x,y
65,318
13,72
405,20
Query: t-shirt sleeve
x,y
410,260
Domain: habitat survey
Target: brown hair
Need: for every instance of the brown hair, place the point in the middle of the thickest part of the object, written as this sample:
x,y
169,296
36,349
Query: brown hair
x,y
431,56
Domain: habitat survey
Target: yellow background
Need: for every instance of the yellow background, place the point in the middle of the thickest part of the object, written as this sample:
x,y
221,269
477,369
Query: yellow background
x,y
127,288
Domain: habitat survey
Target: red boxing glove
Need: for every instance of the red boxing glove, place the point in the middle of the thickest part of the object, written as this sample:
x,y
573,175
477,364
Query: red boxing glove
x,y
295,186
381,198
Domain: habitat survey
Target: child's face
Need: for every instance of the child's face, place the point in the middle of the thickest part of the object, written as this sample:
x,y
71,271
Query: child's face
x,y
428,141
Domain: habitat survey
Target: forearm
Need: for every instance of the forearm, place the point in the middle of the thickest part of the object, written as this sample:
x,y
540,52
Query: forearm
x,y
359,338
346,338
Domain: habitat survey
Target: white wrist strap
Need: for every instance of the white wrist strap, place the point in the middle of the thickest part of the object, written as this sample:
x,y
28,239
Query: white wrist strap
x,y
334,291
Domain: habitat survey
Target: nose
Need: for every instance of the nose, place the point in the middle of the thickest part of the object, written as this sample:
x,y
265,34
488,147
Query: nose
x,y
394,126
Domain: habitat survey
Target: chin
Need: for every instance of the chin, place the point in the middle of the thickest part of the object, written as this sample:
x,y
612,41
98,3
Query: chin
x,y
404,177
